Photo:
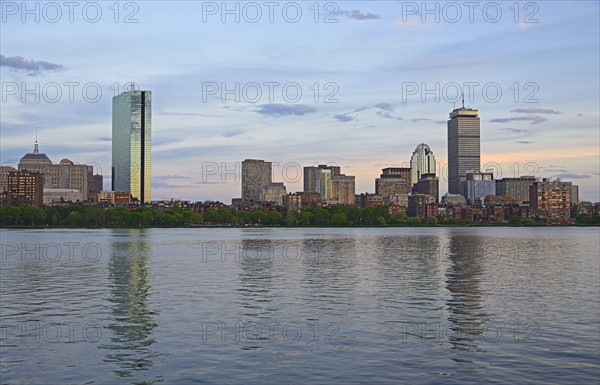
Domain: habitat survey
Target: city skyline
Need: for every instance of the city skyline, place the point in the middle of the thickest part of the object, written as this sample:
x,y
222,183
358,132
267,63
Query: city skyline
x,y
375,123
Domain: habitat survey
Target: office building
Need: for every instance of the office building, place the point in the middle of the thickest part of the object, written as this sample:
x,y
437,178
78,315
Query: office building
x,y
463,147
478,185
65,175
422,162
35,161
131,144
421,205
273,193
343,189
62,196
25,188
429,184
550,200
311,177
256,174
4,170
398,172
394,180
385,187
324,184
516,188
454,200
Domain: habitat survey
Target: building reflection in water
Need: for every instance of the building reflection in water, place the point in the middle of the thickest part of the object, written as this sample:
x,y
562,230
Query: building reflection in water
x,y
131,321
468,321
256,258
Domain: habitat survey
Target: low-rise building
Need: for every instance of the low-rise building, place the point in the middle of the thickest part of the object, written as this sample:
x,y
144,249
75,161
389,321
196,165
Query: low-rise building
x,y
62,196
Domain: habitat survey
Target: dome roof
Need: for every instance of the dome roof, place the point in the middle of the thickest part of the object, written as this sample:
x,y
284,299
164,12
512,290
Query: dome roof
x,y
35,156
39,158
423,146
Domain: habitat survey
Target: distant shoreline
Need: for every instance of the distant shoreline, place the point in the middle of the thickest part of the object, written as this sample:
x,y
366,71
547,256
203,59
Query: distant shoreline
x,y
205,226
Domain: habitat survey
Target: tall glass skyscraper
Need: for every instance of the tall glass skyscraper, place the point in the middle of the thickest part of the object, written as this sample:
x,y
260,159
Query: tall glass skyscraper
x,y
422,162
131,144
463,147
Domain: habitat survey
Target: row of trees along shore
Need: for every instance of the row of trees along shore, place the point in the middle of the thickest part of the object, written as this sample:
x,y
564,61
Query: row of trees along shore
x,y
97,216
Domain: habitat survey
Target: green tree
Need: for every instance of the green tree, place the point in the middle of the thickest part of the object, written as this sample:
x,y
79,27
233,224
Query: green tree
x,y
73,218
275,218
31,215
339,219
10,215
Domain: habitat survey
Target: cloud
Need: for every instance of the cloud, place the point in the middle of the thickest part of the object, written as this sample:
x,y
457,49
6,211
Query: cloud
x,y
532,119
417,120
515,130
385,111
32,67
523,142
570,175
106,139
168,185
167,177
555,170
276,109
387,115
385,106
186,114
537,111
232,133
358,15
344,118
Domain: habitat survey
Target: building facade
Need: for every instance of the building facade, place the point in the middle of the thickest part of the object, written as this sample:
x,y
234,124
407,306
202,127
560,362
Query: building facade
x,y
64,175
385,187
131,144
550,201
478,185
429,184
343,189
256,174
4,170
62,196
516,188
273,193
422,162
25,188
463,147
313,175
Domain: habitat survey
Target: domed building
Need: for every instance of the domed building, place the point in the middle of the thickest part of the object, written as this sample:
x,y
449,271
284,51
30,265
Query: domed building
x,y
65,175
35,161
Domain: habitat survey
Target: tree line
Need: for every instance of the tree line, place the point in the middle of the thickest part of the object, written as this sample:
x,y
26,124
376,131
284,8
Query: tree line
x,y
97,216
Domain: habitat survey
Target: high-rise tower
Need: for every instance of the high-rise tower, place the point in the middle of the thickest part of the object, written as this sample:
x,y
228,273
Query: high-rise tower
x,y
422,162
463,147
131,144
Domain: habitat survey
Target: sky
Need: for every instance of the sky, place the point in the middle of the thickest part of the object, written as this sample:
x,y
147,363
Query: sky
x,y
358,84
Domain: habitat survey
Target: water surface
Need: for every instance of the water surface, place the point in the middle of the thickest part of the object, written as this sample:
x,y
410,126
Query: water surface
x,y
410,305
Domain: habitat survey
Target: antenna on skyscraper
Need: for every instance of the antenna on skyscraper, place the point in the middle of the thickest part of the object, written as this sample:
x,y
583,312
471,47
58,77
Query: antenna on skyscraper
x,y
36,149
463,100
